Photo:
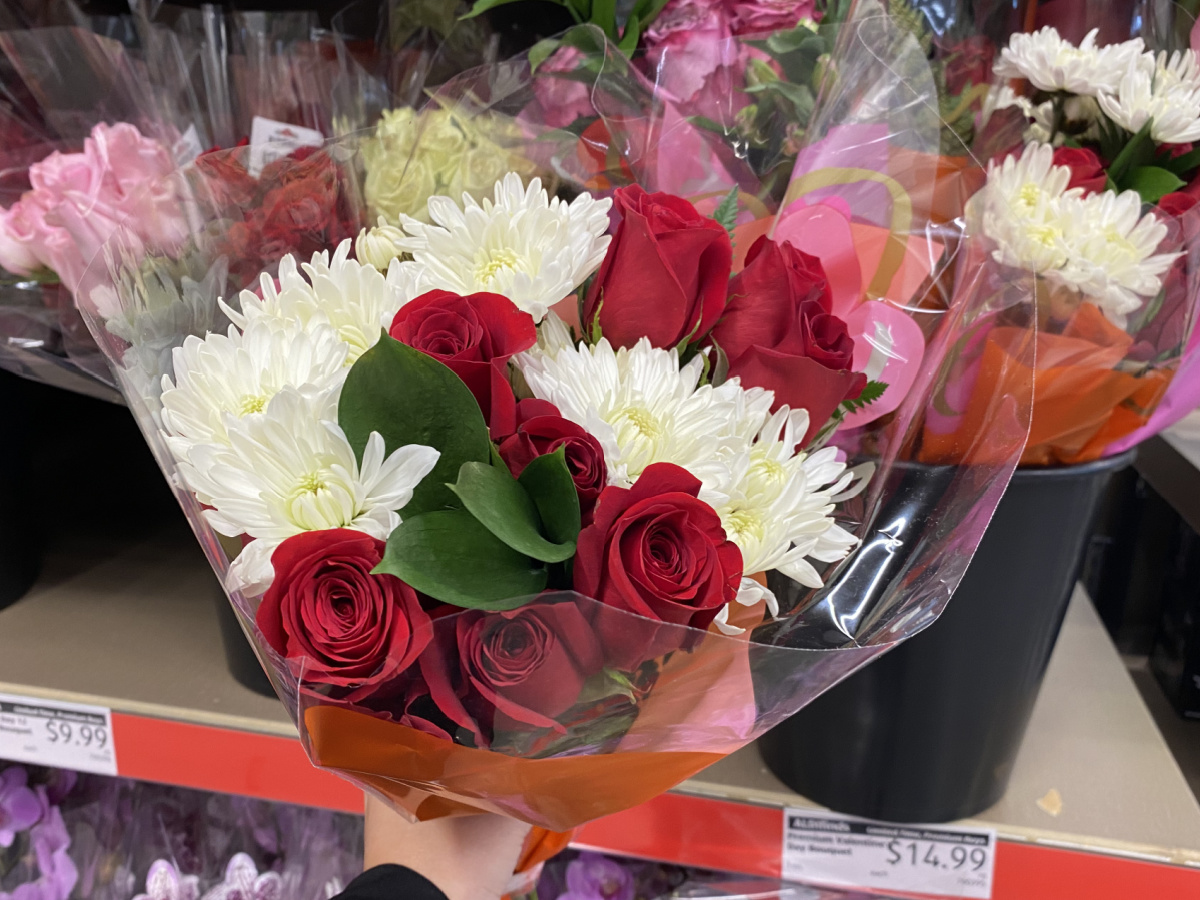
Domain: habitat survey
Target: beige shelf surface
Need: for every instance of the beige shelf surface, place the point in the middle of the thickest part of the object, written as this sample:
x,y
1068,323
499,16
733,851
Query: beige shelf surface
x,y
134,629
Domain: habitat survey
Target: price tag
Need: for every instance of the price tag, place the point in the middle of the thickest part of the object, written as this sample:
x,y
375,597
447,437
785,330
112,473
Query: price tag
x,y
54,733
827,848
271,140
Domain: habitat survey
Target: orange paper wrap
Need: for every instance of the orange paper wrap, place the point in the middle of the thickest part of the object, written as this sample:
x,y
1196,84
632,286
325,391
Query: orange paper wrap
x,y
421,774
1082,401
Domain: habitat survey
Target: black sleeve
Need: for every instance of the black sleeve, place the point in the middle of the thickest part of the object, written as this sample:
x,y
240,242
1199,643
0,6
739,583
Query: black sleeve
x,y
390,882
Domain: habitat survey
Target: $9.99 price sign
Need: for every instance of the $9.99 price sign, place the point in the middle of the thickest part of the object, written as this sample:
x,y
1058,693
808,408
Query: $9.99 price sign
x,y
826,848
55,733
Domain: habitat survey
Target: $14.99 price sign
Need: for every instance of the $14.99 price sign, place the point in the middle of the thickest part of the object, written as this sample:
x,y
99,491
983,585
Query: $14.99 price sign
x,y
55,733
826,848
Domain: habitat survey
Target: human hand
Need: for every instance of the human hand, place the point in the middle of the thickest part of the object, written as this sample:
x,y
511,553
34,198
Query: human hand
x,y
466,857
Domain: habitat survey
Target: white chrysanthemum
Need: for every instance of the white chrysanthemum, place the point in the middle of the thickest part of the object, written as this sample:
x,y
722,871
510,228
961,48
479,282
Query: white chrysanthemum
x,y
1180,68
291,470
1051,63
1019,209
1167,96
357,300
778,512
230,376
644,408
1111,252
523,245
378,246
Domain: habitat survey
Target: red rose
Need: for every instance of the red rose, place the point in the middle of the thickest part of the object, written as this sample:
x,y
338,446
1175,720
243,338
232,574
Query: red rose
x,y
540,430
665,274
1087,171
332,620
657,551
779,332
1177,203
969,63
475,336
227,182
508,670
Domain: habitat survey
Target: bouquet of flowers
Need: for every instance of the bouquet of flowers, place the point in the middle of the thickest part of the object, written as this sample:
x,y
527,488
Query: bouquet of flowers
x,y
1094,214
517,498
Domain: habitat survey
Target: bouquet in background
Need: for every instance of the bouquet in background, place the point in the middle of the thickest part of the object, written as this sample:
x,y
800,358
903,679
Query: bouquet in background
x,y
104,139
1097,201
510,495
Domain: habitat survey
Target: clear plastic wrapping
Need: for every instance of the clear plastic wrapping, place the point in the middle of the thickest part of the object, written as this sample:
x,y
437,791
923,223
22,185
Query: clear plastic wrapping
x,y
614,707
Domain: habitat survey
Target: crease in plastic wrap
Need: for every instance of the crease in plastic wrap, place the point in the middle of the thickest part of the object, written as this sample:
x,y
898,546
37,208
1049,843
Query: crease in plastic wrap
x,y
626,707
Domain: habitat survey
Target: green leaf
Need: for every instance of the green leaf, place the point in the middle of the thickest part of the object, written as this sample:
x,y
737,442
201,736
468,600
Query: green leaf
x,y
540,52
629,39
726,214
782,42
450,556
505,508
720,372
594,332
1153,183
411,398
1138,151
550,485
1183,163
647,10
604,14
872,392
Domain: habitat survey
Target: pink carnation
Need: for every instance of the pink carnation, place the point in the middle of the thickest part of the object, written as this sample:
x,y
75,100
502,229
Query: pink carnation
x,y
562,100
693,56
765,16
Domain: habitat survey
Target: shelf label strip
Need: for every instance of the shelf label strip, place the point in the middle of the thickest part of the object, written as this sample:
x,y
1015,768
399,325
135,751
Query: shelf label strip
x,y
57,733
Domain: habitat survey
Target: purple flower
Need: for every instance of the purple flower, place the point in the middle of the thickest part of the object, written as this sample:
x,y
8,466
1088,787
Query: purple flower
x,y
242,882
596,877
165,882
19,806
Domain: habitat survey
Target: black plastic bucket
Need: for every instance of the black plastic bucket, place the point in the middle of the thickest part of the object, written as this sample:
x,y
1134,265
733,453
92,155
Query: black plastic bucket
x,y
240,659
929,732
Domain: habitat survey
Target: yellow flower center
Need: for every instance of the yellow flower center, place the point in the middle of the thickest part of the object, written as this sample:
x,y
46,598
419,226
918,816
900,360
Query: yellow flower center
x,y
1029,194
251,403
494,263
312,483
642,421
744,523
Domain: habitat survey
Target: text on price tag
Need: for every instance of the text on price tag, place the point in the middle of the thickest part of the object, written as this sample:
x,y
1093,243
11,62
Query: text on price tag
x,y
55,733
826,848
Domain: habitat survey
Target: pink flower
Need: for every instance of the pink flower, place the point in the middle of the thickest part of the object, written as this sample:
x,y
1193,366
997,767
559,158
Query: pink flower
x,y
16,236
562,100
693,56
765,16
78,200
